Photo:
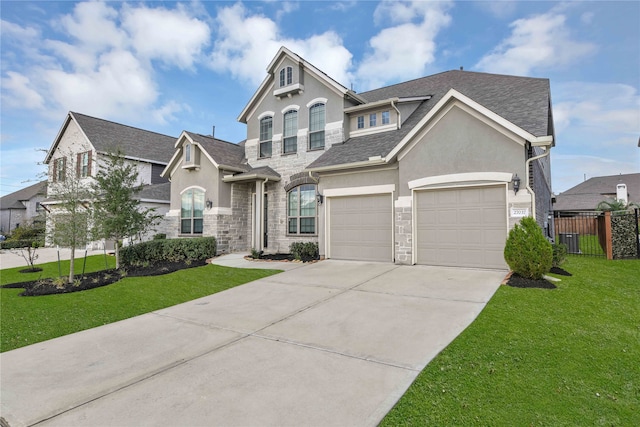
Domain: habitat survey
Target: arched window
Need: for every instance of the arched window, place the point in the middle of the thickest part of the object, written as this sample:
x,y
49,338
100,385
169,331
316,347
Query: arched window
x,y
290,132
301,210
266,134
192,211
316,126
286,76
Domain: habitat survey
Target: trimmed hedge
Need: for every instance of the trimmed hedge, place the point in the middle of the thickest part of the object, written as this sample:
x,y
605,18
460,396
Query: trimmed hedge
x,y
559,254
304,250
171,250
16,244
527,251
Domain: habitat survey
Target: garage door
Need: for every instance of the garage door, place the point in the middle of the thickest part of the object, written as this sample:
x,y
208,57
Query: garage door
x,y
465,227
360,228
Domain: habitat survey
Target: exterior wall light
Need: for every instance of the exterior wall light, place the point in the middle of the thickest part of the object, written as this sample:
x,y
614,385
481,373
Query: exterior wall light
x,y
320,198
516,184
209,204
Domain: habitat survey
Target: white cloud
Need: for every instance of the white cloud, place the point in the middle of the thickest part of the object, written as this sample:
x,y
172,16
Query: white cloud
x,y
499,9
247,43
605,108
101,61
570,170
392,56
18,92
94,25
601,119
168,35
542,41
9,29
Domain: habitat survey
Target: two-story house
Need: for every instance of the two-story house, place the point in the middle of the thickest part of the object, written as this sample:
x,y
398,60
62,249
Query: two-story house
x,y
21,207
80,149
430,171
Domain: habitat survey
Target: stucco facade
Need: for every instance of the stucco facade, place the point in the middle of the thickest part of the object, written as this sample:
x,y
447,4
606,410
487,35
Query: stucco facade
x,y
451,135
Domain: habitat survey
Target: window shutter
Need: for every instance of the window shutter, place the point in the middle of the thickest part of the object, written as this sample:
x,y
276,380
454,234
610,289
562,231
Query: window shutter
x,y
64,168
55,170
78,165
89,163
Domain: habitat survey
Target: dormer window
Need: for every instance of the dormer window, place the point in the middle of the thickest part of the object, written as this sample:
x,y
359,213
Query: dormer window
x,y
286,76
187,153
372,120
386,118
360,122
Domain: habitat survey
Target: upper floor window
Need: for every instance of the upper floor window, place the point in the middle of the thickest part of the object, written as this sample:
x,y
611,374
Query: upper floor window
x,y
286,76
386,118
266,134
192,211
372,120
316,126
360,122
301,210
290,131
59,169
187,153
84,164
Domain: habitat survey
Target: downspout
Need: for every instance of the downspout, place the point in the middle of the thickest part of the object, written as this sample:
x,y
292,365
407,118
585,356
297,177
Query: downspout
x,y
399,115
547,149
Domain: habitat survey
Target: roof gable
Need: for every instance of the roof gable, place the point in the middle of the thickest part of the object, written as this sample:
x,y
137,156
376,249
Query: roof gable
x,y
222,154
309,69
14,200
519,104
106,136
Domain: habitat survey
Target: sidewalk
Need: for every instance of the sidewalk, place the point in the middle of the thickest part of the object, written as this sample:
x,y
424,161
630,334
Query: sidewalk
x,y
9,259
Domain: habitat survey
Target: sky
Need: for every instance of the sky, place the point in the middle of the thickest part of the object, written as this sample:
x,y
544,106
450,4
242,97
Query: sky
x,y
170,66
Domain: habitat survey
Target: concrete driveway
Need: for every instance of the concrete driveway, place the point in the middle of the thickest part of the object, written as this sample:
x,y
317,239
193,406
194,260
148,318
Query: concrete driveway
x,y
332,343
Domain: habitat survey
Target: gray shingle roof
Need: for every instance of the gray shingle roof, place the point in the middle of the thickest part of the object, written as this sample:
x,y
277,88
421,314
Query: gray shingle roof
x,y
109,136
586,195
523,101
14,200
156,192
223,152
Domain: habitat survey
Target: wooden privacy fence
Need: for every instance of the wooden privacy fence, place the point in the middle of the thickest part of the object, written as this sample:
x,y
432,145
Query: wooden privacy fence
x,y
614,235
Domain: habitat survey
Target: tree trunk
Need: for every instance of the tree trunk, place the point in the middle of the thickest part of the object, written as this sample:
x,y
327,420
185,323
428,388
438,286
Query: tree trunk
x,y
72,265
117,245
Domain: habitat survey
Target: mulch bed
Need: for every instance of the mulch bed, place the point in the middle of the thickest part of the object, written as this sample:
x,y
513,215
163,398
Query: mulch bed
x,y
560,272
279,258
517,281
99,278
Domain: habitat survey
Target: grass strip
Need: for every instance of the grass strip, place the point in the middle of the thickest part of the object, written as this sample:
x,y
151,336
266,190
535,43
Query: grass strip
x,y
28,320
563,357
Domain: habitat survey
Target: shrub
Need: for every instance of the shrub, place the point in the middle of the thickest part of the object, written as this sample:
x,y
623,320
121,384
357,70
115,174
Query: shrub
x,y
559,254
160,236
171,250
255,254
304,250
17,244
527,251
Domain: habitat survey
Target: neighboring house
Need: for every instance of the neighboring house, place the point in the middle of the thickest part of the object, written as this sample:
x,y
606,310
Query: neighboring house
x,y
420,172
586,195
21,207
82,145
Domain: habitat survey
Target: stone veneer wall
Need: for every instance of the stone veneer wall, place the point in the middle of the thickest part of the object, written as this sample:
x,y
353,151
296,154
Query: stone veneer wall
x,y
403,229
286,165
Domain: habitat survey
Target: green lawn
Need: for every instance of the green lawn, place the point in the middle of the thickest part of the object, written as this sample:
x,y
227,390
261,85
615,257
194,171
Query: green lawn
x,y
568,356
28,320
50,269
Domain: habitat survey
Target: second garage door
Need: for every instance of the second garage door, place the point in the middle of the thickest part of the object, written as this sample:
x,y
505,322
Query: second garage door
x,y
463,227
360,228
